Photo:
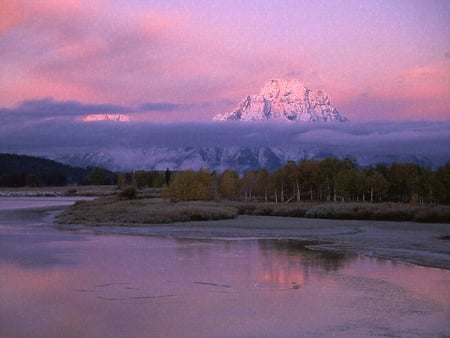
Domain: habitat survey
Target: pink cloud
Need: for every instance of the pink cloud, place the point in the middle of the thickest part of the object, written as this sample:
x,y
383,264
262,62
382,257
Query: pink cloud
x,y
431,81
14,13
128,54
425,88
71,48
131,57
39,87
416,93
11,14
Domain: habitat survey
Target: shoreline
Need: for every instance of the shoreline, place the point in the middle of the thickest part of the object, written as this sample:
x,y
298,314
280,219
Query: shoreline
x,y
415,243
424,244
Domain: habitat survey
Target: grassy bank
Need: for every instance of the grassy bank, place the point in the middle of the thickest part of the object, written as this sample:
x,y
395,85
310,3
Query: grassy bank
x,y
113,210
81,190
350,211
117,210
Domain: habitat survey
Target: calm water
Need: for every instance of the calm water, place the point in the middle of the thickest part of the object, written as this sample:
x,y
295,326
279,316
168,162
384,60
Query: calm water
x,y
74,284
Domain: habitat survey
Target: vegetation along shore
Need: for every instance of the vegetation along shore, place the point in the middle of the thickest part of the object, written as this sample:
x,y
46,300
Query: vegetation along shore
x,y
115,210
331,188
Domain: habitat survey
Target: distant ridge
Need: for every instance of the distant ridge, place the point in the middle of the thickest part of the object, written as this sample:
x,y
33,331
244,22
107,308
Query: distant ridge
x,y
285,100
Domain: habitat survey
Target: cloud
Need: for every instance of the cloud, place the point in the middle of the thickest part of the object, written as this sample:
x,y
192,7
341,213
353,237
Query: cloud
x,y
161,106
11,13
178,57
104,52
33,112
416,92
63,108
367,141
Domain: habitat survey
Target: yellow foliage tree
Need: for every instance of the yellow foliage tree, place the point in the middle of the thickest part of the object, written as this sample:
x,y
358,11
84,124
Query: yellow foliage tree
x,y
229,184
189,185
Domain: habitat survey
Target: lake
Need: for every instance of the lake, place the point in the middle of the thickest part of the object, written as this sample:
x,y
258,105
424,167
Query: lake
x,y
57,283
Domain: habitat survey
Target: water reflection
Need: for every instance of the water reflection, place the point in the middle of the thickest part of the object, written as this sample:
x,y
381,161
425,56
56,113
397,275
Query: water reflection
x,y
267,263
90,286
288,263
308,258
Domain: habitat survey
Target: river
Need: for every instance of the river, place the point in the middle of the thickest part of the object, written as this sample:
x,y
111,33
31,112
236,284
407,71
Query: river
x,y
57,283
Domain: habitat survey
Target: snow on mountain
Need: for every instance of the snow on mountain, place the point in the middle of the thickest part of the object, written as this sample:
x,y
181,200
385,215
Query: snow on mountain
x,y
218,159
285,100
239,146
107,117
88,159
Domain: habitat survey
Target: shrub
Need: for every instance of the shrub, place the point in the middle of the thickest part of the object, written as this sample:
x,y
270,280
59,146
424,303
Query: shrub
x,y
70,192
208,212
129,192
294,210
433,215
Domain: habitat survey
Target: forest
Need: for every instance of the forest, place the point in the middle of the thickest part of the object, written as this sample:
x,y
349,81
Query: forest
x,y
330,179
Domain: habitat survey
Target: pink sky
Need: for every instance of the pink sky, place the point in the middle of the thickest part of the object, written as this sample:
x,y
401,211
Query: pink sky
x,y
376,59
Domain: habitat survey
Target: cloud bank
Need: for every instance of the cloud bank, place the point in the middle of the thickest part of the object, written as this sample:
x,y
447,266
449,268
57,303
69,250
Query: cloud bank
x,y
190,60
421,141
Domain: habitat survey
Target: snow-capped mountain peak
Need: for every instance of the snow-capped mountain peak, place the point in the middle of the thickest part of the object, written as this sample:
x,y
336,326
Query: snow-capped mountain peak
x,y
288,100
107,117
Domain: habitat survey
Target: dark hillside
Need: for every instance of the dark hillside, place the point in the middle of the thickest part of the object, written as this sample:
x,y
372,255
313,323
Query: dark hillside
x,y
23,170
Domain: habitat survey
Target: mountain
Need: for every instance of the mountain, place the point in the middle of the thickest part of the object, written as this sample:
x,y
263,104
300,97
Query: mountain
x,y
107,117
238,158
89,159
285,100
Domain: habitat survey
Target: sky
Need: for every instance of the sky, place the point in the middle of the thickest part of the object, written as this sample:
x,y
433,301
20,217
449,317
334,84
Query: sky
x,y
189,60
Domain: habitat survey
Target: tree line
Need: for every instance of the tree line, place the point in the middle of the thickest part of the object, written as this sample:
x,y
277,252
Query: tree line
x,y
330,179
141,179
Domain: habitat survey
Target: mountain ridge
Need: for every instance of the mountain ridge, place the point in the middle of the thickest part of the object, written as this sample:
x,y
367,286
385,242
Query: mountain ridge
x,y
219,159
285,100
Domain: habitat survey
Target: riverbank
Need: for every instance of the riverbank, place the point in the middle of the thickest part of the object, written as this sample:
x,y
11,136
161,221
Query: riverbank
x,y
117,210
411,242
113,210
64,191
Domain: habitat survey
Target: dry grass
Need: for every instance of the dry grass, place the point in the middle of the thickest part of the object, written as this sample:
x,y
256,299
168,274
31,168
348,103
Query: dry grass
x,y
351,211
82,190
112,210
